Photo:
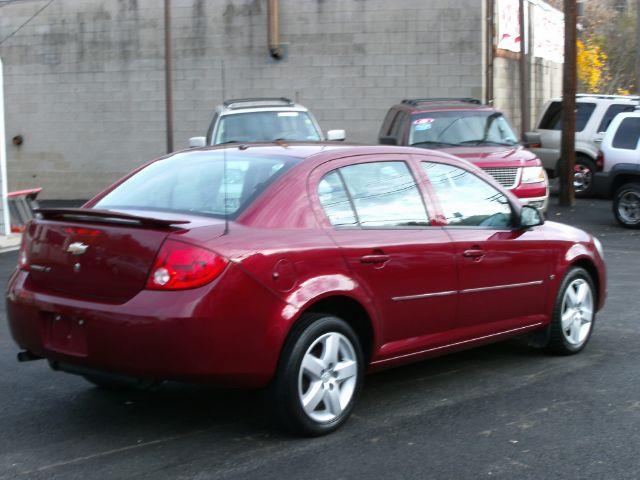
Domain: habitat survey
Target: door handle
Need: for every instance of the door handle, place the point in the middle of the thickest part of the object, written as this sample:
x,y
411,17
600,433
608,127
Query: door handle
x,y
375,258
473,253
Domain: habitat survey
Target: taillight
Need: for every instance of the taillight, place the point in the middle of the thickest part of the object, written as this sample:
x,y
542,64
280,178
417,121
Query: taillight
x,y
23,255
600,161
180,265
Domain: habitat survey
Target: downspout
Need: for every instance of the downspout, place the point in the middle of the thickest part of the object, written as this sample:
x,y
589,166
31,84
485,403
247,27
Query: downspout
x,y
489,51
273,29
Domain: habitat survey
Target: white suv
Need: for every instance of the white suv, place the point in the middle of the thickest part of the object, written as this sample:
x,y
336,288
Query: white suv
x,y
594,113
263,120
620,176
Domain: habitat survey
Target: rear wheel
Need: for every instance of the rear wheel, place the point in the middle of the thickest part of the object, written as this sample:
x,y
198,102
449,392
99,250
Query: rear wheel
x,y
626,205
583,174
573,313
319,377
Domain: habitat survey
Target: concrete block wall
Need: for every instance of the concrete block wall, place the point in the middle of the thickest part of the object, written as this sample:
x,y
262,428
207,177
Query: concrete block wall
x,y
85,81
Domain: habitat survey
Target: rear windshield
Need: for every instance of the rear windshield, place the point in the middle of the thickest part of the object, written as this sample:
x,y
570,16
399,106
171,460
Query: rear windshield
x,y
266,127
552,119
196,183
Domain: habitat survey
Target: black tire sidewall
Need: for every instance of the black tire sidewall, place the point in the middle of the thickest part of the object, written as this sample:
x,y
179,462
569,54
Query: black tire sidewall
x,y
286,398
629,187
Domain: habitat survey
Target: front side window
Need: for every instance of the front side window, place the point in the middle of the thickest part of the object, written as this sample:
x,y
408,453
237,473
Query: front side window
x,y
610,114
466,199
628,134
461,128
385,194
195,182
266,127
552,119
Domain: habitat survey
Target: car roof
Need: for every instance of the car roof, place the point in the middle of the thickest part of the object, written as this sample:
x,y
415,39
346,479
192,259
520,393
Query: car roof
x,y
590,98
437,105
315,153
260,104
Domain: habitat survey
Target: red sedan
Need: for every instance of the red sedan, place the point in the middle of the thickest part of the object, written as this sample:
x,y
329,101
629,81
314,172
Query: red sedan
x,y
297,267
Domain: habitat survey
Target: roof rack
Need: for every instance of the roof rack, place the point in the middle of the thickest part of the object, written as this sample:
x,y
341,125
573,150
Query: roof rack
x,y
237,103
418,101
614,97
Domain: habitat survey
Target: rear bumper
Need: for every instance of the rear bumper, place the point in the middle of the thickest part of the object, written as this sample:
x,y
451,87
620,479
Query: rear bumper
x,y
200,335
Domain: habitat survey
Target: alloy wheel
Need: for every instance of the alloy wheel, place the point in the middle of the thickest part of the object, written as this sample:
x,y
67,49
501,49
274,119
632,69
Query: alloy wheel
x,y
582,177
577,312
629,208
328,377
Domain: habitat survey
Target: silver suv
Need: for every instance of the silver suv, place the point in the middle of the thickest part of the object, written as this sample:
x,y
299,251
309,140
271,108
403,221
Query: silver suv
x,y
263,120
594,113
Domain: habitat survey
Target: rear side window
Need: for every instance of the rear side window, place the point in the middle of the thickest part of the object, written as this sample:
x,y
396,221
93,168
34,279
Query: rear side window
x,y
335,201
628,134
198,183
384,194
610,114
552,119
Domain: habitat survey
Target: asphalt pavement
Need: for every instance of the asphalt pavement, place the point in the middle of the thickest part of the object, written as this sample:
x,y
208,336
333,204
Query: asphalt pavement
x,y
502,411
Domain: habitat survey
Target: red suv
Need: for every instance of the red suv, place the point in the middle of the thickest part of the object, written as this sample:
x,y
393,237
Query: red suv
x,y
297,267
474,132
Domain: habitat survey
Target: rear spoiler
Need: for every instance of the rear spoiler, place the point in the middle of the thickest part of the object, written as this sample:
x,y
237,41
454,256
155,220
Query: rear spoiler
x,y
104,216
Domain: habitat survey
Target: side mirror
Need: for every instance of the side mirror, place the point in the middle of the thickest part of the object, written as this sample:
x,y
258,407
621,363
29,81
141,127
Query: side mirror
x,y
532,140
336,135
388,141
530,217
195,142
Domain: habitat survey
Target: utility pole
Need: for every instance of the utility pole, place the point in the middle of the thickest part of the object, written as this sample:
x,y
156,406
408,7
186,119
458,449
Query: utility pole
x,y
569,85
524,72
168,77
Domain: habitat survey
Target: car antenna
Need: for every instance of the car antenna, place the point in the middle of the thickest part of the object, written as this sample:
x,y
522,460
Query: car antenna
x,y
224,156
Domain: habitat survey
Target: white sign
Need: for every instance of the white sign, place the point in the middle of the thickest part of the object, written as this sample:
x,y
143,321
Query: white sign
x,y
548,33
508,31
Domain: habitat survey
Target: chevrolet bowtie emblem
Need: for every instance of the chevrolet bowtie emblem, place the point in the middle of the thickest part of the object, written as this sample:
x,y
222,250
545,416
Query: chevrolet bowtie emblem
x,y
77,248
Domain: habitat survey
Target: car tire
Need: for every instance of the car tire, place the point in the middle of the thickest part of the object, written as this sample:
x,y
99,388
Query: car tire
x,y
626,205
120,385
584,176
322,363
574,313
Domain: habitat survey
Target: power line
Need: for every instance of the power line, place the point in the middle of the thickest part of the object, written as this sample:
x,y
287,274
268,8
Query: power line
x,y
25,23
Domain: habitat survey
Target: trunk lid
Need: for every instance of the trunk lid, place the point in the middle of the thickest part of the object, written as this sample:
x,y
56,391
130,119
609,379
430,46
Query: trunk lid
x,y
98,255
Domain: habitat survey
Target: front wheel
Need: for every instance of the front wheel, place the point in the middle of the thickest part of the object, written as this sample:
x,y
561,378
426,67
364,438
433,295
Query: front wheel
x,y
319,377
626,205
573,313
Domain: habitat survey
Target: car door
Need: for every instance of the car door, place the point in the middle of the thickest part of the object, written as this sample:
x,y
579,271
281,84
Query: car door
x,y
503,271
374,211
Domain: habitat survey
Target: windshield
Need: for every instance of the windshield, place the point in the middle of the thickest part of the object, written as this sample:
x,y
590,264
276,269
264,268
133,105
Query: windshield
x,y
266,127
460,128
195,182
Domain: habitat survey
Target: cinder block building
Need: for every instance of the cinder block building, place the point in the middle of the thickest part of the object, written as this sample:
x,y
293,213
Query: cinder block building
x,y
85,86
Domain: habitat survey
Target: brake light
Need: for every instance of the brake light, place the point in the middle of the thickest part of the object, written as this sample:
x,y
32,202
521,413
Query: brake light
x,y
600,161
23,255
180,266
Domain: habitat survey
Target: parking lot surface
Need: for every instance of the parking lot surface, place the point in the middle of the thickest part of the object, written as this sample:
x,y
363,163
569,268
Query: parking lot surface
x,y
502,411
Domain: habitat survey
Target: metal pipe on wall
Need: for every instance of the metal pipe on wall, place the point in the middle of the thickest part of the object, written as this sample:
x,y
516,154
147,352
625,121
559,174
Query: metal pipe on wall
x,y
273,28
168,74
525,116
